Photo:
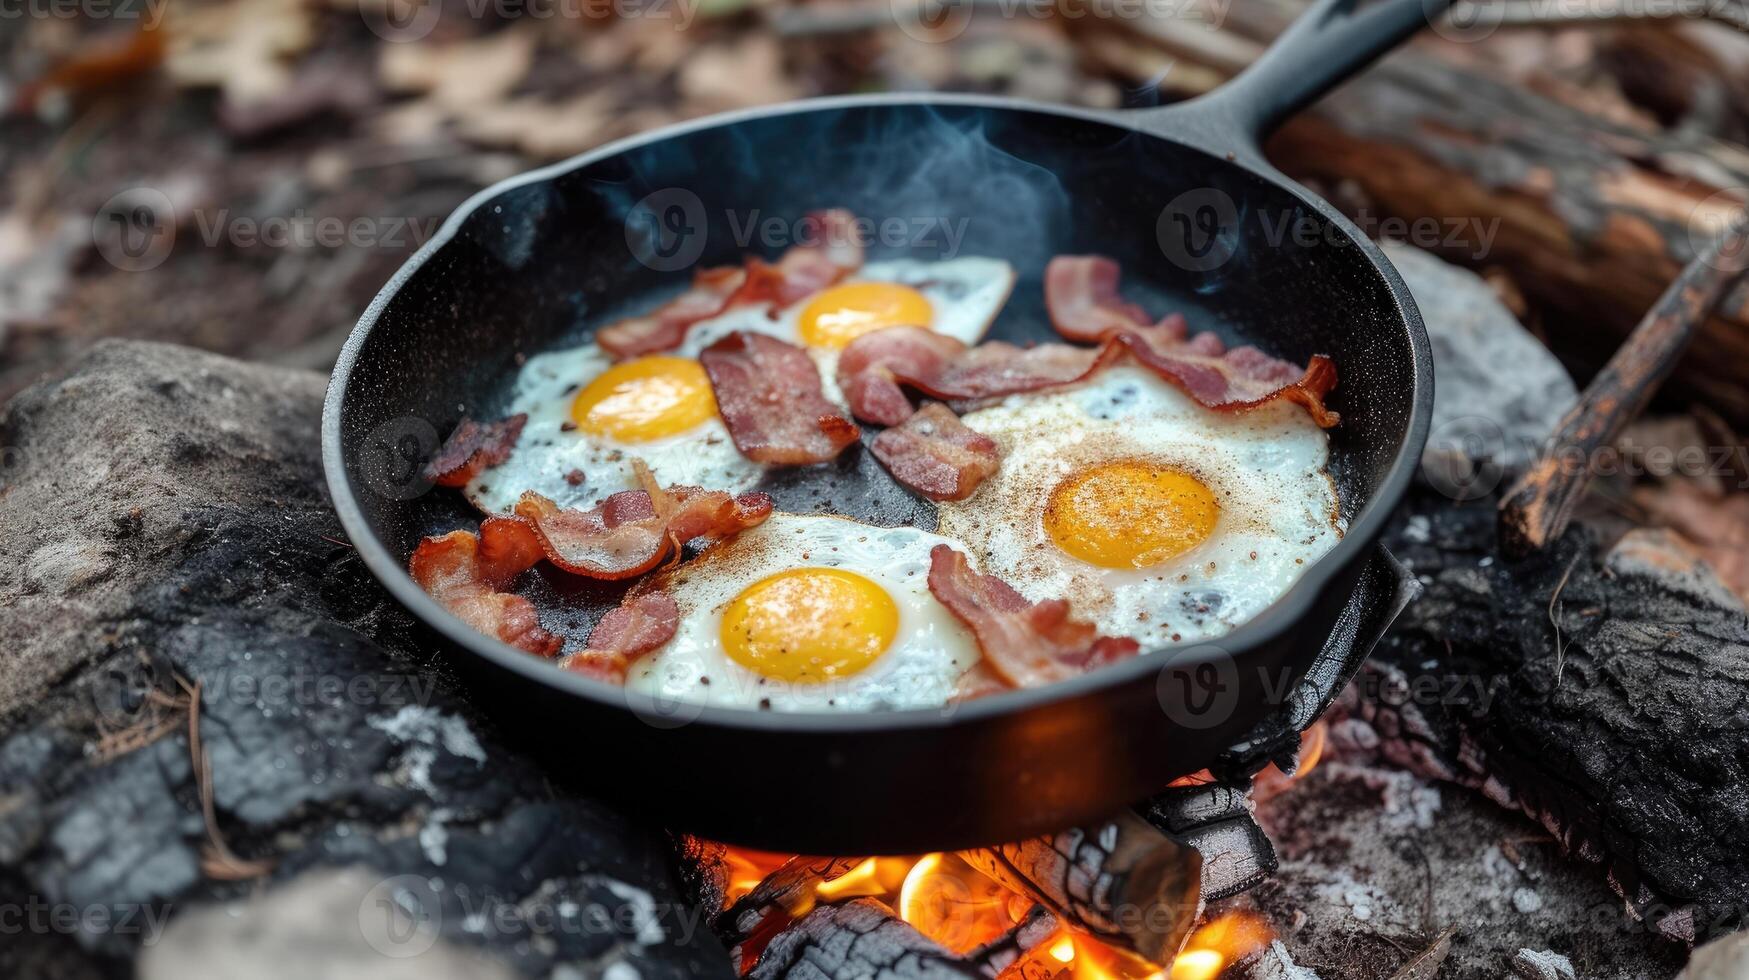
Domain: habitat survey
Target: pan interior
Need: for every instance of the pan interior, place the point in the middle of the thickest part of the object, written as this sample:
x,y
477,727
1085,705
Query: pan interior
x,y
542,264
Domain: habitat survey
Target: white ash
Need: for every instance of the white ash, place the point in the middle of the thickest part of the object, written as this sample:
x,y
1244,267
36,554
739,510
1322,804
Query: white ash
x,y
1532,964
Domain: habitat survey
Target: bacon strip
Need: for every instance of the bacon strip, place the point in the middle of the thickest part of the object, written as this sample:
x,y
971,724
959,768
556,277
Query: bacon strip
x,y
633,531
664,327
768,393
1025,644
1244,377
936,454
638,625
465,576
830,250
876,368
472,447
1082,297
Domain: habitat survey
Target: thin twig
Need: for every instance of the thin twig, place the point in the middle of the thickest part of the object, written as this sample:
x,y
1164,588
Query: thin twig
x,y
1555,621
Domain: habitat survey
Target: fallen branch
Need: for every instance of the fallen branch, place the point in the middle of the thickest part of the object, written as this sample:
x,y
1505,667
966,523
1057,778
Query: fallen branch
x,y
1540,504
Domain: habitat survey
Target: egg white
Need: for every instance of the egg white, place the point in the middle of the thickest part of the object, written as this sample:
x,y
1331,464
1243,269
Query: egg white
x,y
1266,467
929,652
702,456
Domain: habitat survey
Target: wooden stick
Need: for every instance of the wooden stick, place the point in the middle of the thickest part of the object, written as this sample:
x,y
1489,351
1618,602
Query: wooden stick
x,y
1539,505
1122,881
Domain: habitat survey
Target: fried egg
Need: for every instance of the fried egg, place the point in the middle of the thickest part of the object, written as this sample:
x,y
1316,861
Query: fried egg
x,y
809,613
956,297
1155,517
589,417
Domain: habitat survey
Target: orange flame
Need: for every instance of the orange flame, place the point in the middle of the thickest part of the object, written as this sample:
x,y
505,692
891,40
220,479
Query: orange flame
x,y
1227,939
1311,749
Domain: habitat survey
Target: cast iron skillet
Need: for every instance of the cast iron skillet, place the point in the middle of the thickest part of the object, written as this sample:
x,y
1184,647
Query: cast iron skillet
x,y
1180,195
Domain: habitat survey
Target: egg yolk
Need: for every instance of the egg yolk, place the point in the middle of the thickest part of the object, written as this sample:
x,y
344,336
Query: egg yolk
x,y
843,313
809,625
645,399
1129,514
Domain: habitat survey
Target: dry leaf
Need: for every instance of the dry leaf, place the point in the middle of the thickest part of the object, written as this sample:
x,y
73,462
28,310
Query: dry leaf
x,y
1714,526
735,74
460,74
35,258
1425,964
241,46
541,128
462,84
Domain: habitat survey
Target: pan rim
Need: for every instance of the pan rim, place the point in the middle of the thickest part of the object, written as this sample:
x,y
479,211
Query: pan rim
x,y
1277,619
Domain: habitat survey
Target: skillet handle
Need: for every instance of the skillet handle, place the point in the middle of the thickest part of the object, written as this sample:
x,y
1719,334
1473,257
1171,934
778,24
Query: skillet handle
x,y
1318,51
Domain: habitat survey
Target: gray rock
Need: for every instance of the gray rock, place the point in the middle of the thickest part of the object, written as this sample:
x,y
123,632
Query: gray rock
x,y
164,514
1498,392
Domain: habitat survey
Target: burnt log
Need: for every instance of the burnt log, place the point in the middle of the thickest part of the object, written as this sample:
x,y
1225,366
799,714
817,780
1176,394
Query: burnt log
x,y
858,938
1600,686
1122,881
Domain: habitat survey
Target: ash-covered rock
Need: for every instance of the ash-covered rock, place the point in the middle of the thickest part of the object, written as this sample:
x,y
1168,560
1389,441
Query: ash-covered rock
x,y
1498,391
174,553
1377,863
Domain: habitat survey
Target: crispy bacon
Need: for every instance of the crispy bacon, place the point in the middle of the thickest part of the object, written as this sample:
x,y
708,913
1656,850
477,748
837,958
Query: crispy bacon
x,y
1082,297
1243,377
830,250
456,570
1025,644
876,368
472,447
664,327
935,454
640,624
633,531
873,367
768,393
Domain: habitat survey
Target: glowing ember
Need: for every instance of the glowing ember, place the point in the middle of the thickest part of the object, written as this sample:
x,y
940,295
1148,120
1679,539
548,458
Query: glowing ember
x,y
953,903
1063,950
960,908
1311,749
1197,964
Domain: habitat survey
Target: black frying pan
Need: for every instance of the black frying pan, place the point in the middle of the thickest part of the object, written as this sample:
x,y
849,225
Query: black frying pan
x,y
1180,195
